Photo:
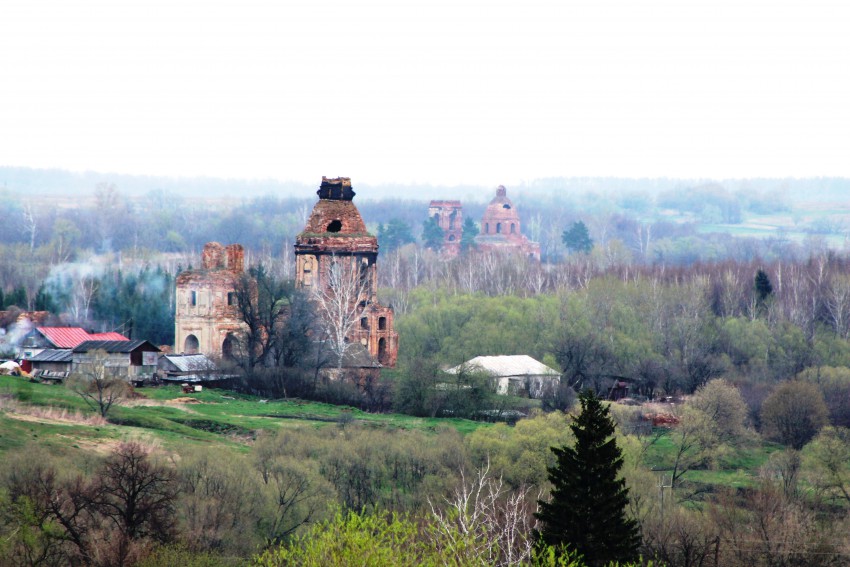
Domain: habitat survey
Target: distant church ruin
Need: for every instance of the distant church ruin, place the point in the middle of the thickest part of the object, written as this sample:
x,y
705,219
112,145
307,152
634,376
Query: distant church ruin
x,y
449,217
499,232
500,228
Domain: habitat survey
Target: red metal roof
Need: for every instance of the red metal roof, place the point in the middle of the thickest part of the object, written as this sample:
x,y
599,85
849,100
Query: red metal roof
x,y
111,336
70,337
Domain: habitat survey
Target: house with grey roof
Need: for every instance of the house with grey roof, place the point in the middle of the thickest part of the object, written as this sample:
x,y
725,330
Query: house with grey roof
x,y
134,360
513,374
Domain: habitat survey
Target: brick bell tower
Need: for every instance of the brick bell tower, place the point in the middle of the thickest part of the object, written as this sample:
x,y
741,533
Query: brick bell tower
x,y
336,234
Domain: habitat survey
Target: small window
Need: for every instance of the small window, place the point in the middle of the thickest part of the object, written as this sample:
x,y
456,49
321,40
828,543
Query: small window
x,y
231,298
498,228
486,228
513,228
506,206
307,279
335,226
364,271
451,238
364,323
193,298
382,323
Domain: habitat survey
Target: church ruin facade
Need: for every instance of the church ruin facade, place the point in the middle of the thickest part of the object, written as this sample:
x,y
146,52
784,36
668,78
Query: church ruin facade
x,y
207,318
449,217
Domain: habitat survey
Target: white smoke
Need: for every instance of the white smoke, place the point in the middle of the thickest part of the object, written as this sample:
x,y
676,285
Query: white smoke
x,y
10,342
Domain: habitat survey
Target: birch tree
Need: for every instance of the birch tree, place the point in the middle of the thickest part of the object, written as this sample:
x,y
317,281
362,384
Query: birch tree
x,y
338,301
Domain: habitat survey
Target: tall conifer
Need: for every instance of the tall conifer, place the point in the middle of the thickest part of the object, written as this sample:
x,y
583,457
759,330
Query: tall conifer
x,y
587,510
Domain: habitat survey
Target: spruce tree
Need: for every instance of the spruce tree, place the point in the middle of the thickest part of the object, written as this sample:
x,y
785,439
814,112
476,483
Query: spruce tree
x,y
470,231
587,510
577,238
762,285
432,234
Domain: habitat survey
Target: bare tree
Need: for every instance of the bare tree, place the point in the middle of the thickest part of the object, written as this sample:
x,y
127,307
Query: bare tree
x,y
137,493
85,287
296,493
339,301
260,298
31,224
837,304
97,384
498,522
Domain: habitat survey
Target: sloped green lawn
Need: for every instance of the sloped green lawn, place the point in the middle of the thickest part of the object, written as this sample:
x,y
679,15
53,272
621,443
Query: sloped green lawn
x,y
175,418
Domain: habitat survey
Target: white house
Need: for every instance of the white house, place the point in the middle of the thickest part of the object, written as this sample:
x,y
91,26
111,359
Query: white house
x,y
515,374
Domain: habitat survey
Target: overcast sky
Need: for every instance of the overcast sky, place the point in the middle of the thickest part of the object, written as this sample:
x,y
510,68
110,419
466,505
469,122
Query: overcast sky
x,y
459,91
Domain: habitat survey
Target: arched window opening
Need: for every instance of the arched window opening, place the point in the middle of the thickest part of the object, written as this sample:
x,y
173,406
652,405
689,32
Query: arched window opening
x,y
227,347
513,228
335,226
191,345
364,323
486,228
498,228
382,323
382,350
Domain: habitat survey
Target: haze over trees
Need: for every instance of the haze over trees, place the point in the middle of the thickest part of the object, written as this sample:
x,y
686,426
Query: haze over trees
x,y
740,338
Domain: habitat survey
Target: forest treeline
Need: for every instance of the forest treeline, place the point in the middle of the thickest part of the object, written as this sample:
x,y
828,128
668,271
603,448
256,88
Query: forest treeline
x,y
670,223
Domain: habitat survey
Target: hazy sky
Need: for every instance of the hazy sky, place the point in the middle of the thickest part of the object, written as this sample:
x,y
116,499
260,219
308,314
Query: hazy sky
x,y
427,91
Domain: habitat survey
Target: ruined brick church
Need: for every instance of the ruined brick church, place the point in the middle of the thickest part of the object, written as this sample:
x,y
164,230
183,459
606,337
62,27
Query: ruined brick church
x,y
207,314
500,227
336,234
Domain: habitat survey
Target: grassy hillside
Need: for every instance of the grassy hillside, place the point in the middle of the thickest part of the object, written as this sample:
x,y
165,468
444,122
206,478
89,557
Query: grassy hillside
x,y
60,421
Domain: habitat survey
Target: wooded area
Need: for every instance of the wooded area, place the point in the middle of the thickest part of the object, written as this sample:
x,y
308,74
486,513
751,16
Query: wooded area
x,y
737,346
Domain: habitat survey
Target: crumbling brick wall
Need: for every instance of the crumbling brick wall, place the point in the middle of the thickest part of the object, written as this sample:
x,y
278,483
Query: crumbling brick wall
x,y
449,215
207,312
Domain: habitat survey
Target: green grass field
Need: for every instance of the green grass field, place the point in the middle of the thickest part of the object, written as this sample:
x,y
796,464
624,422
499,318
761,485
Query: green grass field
x,y
59,420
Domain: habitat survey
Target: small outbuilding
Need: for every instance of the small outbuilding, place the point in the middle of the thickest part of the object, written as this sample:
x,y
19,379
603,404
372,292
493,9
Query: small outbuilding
x,y
514,374
51,364
134,360
190,369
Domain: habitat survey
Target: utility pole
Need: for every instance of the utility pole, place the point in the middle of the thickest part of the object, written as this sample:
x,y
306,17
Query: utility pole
x,y
662,484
